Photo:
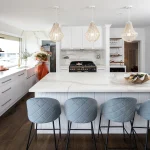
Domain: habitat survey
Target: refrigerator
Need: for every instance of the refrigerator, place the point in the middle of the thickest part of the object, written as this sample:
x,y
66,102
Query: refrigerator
x,y
50,46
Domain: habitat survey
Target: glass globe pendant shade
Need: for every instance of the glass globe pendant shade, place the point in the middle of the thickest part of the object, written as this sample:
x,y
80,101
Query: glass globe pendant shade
x,y
129,33
56,34
92,33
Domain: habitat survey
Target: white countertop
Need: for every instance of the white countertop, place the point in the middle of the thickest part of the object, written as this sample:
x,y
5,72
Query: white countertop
x,y
87,82
12,71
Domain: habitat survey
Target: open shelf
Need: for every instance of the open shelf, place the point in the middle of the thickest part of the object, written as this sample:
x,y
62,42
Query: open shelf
x,y
115,47
115,55
115,38
116,62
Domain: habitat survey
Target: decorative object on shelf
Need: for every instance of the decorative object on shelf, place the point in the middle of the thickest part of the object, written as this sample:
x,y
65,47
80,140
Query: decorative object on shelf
x,y
129,33
117,62
92,33
115,55
41,68
137,78
56,34
25,56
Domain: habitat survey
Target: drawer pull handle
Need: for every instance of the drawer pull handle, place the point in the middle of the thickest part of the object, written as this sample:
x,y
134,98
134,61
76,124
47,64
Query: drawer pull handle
x,y
31,76
6,102
6,90
6,81
21,74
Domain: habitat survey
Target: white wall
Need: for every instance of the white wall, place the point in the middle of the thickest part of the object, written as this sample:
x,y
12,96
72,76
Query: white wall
x,y
33,42
10,30
147,49
116,33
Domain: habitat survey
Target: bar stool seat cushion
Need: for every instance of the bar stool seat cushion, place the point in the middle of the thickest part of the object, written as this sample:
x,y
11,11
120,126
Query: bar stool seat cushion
x,y
144,110
81,109
43,110
119,109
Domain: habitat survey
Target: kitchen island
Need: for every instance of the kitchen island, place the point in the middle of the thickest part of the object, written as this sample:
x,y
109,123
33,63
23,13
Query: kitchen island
x,y
100,86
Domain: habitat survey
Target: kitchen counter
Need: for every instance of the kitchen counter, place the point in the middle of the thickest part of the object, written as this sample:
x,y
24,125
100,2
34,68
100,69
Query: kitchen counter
x,y
12,71
100,86
88,82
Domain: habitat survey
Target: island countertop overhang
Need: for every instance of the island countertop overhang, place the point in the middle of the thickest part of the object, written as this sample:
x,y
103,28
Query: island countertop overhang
x,y
87,82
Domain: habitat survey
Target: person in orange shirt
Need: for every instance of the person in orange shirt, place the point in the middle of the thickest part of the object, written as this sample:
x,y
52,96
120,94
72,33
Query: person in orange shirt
x,y
41,68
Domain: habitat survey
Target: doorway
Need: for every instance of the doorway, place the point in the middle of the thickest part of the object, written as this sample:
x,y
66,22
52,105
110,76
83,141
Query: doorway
x,y
50,47
132,53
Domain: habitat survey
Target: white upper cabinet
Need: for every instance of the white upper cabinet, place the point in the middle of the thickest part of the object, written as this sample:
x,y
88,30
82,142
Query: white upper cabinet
x,y
74,38
99,43
77,38
66,41
86,43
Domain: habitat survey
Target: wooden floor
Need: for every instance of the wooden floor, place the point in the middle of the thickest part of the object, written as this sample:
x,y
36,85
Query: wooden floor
x,y
14,127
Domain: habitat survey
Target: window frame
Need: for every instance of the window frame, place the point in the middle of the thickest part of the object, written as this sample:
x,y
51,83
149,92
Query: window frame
x,y
20,44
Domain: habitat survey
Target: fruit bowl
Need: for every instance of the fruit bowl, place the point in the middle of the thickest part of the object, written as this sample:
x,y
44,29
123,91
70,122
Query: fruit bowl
x,y
137,78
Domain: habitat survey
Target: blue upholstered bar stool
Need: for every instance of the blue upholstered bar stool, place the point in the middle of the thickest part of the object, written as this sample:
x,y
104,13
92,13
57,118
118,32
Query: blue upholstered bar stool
x,y
143,110
43,110
80,110
119,110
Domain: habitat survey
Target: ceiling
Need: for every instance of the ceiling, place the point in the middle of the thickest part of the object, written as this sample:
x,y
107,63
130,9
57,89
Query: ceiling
x,y
39,15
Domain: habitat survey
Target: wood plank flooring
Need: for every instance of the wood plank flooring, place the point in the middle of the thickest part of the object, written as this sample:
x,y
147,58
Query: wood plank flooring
x,y
14,128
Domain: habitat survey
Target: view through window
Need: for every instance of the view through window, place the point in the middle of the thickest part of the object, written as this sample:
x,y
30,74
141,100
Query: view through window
x,y
9,50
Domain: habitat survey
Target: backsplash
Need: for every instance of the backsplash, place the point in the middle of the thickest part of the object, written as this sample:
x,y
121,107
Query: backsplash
x,y
97,56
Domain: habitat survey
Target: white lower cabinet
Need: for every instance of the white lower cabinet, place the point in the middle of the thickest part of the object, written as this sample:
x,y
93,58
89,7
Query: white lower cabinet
x,y
14,89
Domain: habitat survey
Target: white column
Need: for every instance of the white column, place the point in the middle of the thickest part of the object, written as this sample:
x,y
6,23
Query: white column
x,y
57,56
107,46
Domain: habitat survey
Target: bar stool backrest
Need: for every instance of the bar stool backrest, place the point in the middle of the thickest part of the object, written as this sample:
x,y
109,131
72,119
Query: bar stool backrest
x,y
120,109
43,110
81,109
144,110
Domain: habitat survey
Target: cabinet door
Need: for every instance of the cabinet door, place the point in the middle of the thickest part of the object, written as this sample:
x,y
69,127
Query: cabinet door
x,y
86,43
20,88
99,43
77,37
66,41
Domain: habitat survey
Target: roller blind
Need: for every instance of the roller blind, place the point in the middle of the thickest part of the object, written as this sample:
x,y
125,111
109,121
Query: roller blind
x,y
7,37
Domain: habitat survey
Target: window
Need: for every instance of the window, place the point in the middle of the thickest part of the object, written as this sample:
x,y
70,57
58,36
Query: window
x,y
9,50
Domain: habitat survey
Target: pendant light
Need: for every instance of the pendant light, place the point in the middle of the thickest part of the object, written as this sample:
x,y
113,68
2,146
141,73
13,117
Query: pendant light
x,y
129,33
92,33
56,34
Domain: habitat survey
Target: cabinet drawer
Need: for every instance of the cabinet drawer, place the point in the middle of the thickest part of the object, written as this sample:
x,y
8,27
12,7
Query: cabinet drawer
x,y
5,90
30,72
6,80
20,75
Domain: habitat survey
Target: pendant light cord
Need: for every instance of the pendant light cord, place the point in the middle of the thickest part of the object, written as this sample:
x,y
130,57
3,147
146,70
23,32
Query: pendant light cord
x,y
92,14
56,14
129,14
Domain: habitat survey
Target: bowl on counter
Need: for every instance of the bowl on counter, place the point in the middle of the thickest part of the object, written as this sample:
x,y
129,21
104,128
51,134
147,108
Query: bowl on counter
x,y
137,78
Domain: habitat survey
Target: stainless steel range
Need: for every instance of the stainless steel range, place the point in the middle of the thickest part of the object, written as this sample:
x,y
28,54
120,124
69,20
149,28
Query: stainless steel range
x,y
82,66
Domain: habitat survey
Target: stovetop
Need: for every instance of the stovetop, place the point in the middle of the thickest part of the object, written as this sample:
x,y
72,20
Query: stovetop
x,y
82,63
82,66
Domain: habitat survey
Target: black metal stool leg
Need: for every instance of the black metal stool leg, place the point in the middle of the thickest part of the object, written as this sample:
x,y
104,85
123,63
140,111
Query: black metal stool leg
x,y
54,135
68,134
134,138
106,143
59,128
93,135
146,144
99,129
36,129
123,131
27,147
